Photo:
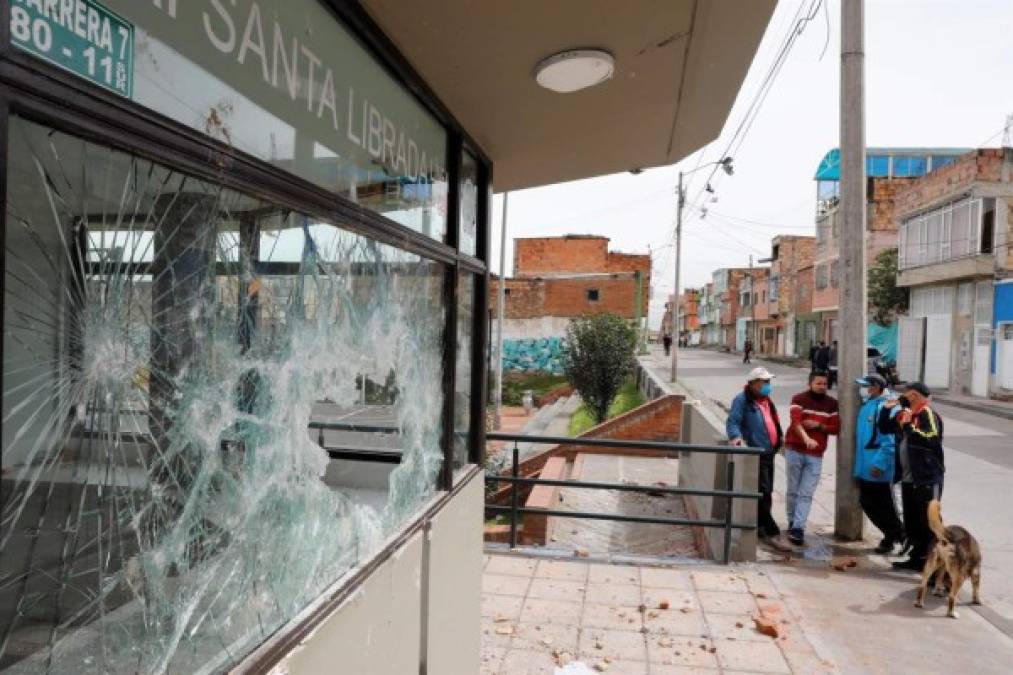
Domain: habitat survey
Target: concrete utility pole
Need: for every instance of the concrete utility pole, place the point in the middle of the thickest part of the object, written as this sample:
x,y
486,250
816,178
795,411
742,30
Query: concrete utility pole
x,y
679,202
499,312
851,354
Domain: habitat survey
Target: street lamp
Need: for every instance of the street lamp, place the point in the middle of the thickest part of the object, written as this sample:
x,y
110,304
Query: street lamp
x,y
726,165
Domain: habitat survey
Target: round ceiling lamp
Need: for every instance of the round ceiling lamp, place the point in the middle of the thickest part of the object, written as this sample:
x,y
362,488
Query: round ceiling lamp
x,y
575,69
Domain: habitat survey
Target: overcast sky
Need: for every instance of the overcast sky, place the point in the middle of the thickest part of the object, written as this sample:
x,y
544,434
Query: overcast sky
x,y
938,73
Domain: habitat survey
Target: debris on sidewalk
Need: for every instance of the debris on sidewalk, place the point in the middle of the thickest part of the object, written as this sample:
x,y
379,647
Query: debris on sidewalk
x,y
766,626
842,564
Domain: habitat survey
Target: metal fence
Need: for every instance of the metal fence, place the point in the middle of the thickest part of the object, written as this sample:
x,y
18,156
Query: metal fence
x,y
660,448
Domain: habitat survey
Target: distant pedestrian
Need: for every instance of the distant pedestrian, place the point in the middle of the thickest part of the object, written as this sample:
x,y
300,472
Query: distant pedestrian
x,y
814,418
821,360
667,341
813,350
833,364
753,422
875,459
747,351
920,466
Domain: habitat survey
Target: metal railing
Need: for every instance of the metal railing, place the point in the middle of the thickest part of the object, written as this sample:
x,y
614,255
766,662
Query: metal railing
x,y
661,448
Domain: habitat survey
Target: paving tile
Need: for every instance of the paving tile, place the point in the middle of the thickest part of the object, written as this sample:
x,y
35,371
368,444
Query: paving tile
x,y
622,667
684,652
490,660
526,662
709,580
504,564
611,617
506,606
538,611
676,599
627,595
759,582
758,657
738,627
545,637
497,634
675,622
614,574
504,584
596,643
663,577
562,569
556,589
720,602
657,669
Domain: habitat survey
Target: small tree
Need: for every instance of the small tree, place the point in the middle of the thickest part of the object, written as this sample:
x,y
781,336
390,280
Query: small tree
x,y
886,299
598,359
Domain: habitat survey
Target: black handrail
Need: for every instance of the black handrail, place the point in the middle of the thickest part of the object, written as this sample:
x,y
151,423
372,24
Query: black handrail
x,y
729,494
619,443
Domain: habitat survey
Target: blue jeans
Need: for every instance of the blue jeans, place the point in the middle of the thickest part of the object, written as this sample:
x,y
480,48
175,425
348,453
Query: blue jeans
x,y
803,475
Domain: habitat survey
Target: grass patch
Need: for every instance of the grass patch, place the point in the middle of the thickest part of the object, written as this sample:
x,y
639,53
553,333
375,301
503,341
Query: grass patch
x,y
515,384
629,398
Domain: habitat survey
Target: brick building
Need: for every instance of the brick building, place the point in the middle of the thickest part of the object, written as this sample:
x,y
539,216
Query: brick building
x,y
689,319
888,170
560,278
789,255
955,231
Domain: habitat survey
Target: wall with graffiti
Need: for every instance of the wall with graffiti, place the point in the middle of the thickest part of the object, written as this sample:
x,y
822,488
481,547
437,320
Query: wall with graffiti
x,y
534,354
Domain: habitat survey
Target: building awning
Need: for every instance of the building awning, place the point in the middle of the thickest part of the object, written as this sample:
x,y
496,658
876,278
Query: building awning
x,y
679,65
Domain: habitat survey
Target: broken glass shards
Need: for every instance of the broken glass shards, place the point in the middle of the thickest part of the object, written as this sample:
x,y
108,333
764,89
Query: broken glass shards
x,y
177,357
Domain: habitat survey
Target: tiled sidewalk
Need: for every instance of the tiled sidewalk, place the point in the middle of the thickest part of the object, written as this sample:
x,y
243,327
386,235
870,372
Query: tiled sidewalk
x,y
628,620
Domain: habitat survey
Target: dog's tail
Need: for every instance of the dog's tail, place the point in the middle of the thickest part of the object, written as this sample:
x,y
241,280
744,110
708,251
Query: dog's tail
x,y
936,520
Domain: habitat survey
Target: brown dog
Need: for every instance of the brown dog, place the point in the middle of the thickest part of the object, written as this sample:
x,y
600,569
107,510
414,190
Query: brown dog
x,y
955,554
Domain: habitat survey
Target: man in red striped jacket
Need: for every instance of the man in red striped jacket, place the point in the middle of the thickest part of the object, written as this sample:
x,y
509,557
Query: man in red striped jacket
x,y
814,418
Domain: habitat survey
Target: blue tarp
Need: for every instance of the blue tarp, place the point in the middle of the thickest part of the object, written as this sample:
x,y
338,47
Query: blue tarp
x,y
884,338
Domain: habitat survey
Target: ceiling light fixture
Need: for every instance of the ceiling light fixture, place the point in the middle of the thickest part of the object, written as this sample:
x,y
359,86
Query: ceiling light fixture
x,y
575,69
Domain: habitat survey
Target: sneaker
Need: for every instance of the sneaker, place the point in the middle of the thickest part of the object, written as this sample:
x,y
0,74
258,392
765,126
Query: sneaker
x,y
796,536
886,546
912,564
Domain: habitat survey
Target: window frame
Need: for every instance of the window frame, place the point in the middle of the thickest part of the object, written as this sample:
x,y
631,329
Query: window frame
x,y
46,94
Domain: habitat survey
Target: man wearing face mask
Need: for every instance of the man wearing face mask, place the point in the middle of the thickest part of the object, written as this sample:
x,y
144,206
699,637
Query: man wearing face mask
x,y
875,458
920,467
753,422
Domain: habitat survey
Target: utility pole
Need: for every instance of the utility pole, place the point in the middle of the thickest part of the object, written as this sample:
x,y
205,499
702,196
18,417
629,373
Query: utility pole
x,y
851,354
499,311
679,201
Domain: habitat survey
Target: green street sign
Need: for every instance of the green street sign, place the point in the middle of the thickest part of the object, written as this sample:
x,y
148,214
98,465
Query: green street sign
x,y
81,36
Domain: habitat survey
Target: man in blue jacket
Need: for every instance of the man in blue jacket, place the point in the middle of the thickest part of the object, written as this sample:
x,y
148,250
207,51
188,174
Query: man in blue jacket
x,y
874,465
753,422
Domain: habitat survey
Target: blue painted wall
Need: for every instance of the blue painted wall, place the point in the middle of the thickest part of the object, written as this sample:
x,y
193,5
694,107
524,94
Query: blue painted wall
x,y
534,355
1002,310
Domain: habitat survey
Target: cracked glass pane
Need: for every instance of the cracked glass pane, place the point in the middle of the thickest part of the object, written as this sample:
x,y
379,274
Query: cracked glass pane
x,y
213,407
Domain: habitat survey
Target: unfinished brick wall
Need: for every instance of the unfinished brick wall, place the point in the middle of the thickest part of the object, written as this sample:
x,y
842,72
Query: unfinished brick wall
x,y
793,253
534,292
534,298
983,165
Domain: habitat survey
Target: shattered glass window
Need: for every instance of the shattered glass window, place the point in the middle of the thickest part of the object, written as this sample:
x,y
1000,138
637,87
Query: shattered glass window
x,y
462,368
213,407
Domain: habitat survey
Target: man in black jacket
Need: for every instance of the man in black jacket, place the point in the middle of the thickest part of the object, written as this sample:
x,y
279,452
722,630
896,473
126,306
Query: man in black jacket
x,y
920,465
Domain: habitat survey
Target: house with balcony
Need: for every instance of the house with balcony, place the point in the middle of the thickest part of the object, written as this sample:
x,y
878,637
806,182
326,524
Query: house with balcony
x,y
707,315
789,255
954,236
727,281
753,320
888,170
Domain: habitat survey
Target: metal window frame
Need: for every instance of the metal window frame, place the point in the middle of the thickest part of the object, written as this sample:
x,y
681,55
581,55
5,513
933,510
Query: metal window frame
x,y
45,94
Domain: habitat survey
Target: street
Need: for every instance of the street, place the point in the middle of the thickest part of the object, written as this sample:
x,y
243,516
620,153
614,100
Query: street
x,y
979,469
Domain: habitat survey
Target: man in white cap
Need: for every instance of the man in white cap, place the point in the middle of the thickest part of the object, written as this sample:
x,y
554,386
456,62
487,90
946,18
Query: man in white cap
x,y
753,422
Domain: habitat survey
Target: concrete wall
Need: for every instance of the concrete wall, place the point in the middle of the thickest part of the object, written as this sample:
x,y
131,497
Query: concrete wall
x,y
420,606
707,471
